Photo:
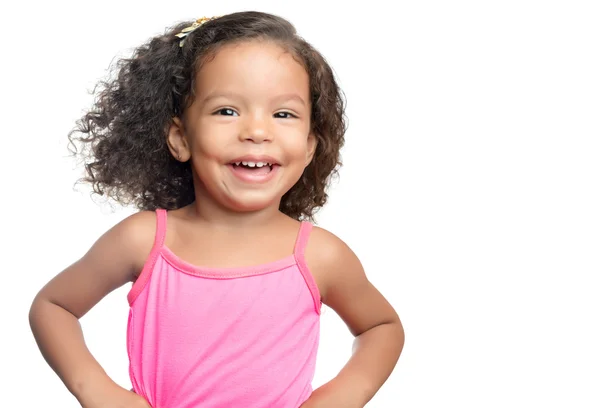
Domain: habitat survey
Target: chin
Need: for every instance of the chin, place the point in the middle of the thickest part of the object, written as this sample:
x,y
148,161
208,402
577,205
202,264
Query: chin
x,y
253,204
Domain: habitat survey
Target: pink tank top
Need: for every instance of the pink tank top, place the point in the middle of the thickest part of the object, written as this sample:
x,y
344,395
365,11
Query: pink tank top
x,y
223,337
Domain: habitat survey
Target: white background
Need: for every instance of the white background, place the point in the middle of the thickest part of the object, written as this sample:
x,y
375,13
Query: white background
x,y
470,189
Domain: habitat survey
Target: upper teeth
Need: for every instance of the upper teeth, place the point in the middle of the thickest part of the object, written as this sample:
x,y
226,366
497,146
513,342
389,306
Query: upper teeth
x,y
253,164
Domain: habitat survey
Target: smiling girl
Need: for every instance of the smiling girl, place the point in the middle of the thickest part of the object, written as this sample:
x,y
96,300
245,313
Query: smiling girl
x,y
224,133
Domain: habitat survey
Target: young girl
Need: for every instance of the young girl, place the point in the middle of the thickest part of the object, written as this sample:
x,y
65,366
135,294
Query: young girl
x,y
225,134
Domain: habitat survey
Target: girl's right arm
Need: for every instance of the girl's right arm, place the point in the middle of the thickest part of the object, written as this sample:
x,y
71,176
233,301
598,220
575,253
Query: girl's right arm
x,y
111,262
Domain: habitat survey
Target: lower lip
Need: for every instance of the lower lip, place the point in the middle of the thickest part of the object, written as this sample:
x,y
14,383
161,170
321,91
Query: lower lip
x,y
248,177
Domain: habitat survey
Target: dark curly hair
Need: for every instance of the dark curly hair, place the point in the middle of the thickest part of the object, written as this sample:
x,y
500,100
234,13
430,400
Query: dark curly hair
x,y
123,137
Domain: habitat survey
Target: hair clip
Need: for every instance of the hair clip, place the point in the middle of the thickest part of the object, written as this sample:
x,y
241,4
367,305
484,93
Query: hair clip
x,y
186,31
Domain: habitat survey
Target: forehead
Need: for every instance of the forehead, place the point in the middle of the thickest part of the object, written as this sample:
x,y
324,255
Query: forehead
x,y
256,67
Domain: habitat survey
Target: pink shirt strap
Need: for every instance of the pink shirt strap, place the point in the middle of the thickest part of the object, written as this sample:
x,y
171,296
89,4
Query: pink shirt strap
x,y
301,241
161,227
159,239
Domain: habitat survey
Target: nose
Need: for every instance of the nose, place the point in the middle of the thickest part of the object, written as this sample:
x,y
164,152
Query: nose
x,y
256,129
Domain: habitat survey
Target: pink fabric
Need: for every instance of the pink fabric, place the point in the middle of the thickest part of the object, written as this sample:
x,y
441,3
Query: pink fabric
x,y
223,337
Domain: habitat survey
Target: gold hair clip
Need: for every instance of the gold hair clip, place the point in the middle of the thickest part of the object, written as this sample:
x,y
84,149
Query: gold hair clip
x,y
186,31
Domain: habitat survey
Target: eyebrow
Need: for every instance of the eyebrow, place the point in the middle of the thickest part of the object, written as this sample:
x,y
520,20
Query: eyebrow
x,y
290,97
232,95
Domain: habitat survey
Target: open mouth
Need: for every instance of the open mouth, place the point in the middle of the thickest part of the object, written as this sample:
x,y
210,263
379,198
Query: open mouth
x,y
253,170
259,167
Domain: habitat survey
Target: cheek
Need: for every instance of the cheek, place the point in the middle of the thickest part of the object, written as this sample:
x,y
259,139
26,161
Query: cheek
x,y
207,155
209,144
296,146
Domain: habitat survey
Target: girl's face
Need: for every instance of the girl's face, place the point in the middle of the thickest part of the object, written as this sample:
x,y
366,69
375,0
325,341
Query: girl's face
x,y
247,132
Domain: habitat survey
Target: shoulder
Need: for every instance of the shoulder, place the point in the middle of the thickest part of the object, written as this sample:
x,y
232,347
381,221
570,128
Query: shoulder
x,y
113,260
326,247
133,238
331,260
138,235
138,225
344,285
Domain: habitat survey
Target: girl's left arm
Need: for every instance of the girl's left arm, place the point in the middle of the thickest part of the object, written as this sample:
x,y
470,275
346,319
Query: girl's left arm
x,y
379,335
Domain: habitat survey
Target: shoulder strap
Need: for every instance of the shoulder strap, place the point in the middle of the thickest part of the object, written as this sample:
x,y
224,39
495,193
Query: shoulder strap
x,y
159,239
301,242
161,227
302,239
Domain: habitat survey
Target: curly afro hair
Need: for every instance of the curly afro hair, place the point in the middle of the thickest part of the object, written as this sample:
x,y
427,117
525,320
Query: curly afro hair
x,y
122,138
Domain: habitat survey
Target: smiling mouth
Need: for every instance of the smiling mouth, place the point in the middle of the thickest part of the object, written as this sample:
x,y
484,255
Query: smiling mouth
x,y
254,172
250,165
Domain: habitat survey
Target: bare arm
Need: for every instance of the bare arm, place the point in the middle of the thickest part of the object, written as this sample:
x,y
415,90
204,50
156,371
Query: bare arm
x,y
55,312
379,335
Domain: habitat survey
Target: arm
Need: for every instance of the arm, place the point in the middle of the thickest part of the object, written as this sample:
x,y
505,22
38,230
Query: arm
x,y
55,312
379,335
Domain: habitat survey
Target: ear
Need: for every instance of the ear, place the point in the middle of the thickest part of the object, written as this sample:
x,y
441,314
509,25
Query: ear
x,y
311,147
178,145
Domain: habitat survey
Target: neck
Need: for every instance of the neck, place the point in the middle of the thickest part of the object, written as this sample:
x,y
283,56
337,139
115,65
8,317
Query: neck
x,y
209,210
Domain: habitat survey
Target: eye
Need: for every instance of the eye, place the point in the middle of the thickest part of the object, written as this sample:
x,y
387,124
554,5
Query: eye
x,y
282,115
226,112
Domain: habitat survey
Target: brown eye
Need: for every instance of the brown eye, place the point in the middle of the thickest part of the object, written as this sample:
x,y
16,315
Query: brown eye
x,y
282,115
226,112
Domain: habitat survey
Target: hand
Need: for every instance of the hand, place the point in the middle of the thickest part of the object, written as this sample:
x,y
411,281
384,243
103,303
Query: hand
x,y
113,396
